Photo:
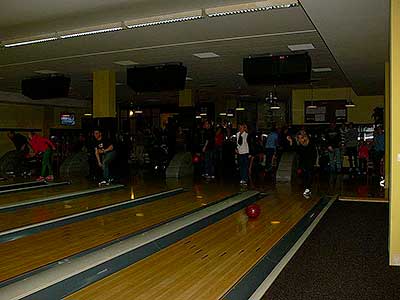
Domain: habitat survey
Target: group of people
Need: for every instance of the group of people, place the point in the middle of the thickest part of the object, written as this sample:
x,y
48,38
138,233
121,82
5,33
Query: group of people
x,y
42,148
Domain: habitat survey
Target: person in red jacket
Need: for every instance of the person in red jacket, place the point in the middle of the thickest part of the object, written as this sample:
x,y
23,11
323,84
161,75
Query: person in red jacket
x,y
42,145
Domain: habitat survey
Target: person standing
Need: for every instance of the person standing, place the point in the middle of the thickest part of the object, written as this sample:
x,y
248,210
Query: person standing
x,y
242,149
105,154
41,145
351,142
270,149
209,151
379,149
332,136
307,157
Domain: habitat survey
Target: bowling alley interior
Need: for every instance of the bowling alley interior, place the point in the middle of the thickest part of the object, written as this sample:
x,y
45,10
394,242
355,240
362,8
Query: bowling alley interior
x,y
210,150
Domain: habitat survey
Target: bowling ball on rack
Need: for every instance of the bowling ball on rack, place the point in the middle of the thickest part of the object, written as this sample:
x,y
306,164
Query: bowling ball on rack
x,y
299,171
253,211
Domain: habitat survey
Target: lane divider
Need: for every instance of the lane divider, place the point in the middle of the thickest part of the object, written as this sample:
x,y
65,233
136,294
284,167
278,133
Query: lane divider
x,y
61,197
35,187
20,232
4,187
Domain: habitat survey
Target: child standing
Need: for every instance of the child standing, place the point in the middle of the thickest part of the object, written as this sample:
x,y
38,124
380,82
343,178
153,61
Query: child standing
x,y
363,155
307,156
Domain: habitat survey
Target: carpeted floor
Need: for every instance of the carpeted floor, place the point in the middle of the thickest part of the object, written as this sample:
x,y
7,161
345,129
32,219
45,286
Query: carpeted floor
x,y
345,257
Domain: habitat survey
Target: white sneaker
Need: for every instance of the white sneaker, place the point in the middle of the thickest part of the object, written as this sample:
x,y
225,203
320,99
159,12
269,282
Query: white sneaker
x,y
307,193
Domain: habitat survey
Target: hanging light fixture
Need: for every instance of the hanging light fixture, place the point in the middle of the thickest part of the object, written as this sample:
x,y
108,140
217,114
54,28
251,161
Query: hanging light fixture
x,y
350,103
312,104
272,100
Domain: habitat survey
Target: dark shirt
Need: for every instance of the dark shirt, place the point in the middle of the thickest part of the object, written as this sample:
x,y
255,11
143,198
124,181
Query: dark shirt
x,y
210,137
19,141
307,155
102,144
333,137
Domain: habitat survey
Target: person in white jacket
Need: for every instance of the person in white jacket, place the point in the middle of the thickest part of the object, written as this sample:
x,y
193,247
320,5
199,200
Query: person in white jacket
x,y
242,149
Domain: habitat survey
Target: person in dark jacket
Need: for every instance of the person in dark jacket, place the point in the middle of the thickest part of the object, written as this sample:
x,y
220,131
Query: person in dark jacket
x,y
307,156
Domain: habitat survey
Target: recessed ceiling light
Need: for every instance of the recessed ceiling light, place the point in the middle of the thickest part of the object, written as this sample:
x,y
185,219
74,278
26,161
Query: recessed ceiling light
x,y
301,47
125,63
46,72
206,55
318,70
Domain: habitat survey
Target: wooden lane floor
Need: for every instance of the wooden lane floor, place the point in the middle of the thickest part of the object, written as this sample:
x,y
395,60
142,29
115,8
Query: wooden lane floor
x,y
36,214
207,264
37,250
46,192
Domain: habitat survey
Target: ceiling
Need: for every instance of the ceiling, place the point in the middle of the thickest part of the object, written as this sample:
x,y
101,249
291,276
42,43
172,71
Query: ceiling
x,y
231,37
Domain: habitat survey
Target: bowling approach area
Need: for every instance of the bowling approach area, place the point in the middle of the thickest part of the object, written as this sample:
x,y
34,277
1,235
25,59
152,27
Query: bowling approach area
x,y
147,239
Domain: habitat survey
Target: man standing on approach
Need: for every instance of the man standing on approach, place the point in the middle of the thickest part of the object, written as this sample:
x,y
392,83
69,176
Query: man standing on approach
x,y
105,154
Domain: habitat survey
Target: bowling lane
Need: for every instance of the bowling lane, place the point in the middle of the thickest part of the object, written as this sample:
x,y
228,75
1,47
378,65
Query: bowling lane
x,y
34,251
45,192
207,264
26,216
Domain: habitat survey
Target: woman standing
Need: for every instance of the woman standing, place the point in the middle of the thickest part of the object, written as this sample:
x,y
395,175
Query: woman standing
x,y
42,145
242,149
307,156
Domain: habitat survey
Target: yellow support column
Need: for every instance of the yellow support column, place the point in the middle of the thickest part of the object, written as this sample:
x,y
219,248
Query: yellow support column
x,y
394,186
104,104
387,129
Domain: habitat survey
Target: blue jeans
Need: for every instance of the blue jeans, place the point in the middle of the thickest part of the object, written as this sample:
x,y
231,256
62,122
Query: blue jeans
x,y
335,160
244,167
107,160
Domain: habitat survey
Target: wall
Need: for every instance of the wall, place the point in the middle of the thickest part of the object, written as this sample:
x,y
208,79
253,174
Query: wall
x,y
29,117
361,114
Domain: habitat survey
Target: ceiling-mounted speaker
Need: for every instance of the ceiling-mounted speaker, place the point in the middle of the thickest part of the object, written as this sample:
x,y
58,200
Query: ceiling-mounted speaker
x,y
55,86
156,78
277,69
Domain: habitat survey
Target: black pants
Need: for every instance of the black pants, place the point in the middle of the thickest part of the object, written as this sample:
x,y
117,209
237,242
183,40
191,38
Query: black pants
x,y
307,177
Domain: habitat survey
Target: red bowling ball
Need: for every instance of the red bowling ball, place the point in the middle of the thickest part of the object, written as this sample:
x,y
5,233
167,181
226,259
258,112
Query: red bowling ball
x,y
299,171
253,211
196,159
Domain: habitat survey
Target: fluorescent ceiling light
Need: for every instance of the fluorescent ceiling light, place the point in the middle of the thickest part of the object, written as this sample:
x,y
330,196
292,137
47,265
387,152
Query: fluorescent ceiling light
x,y
46,72
203,114
222,114
125,63
9,44
189,78
301,47
229,115
165,19
312,106
275,106
318,70
240,108
206,55
91,30
198,117
240,74
87,115
138,112
249,7
350,104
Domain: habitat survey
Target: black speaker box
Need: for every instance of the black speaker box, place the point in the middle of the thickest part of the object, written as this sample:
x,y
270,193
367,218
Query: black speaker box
x,y
157,78
277,69
46,87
